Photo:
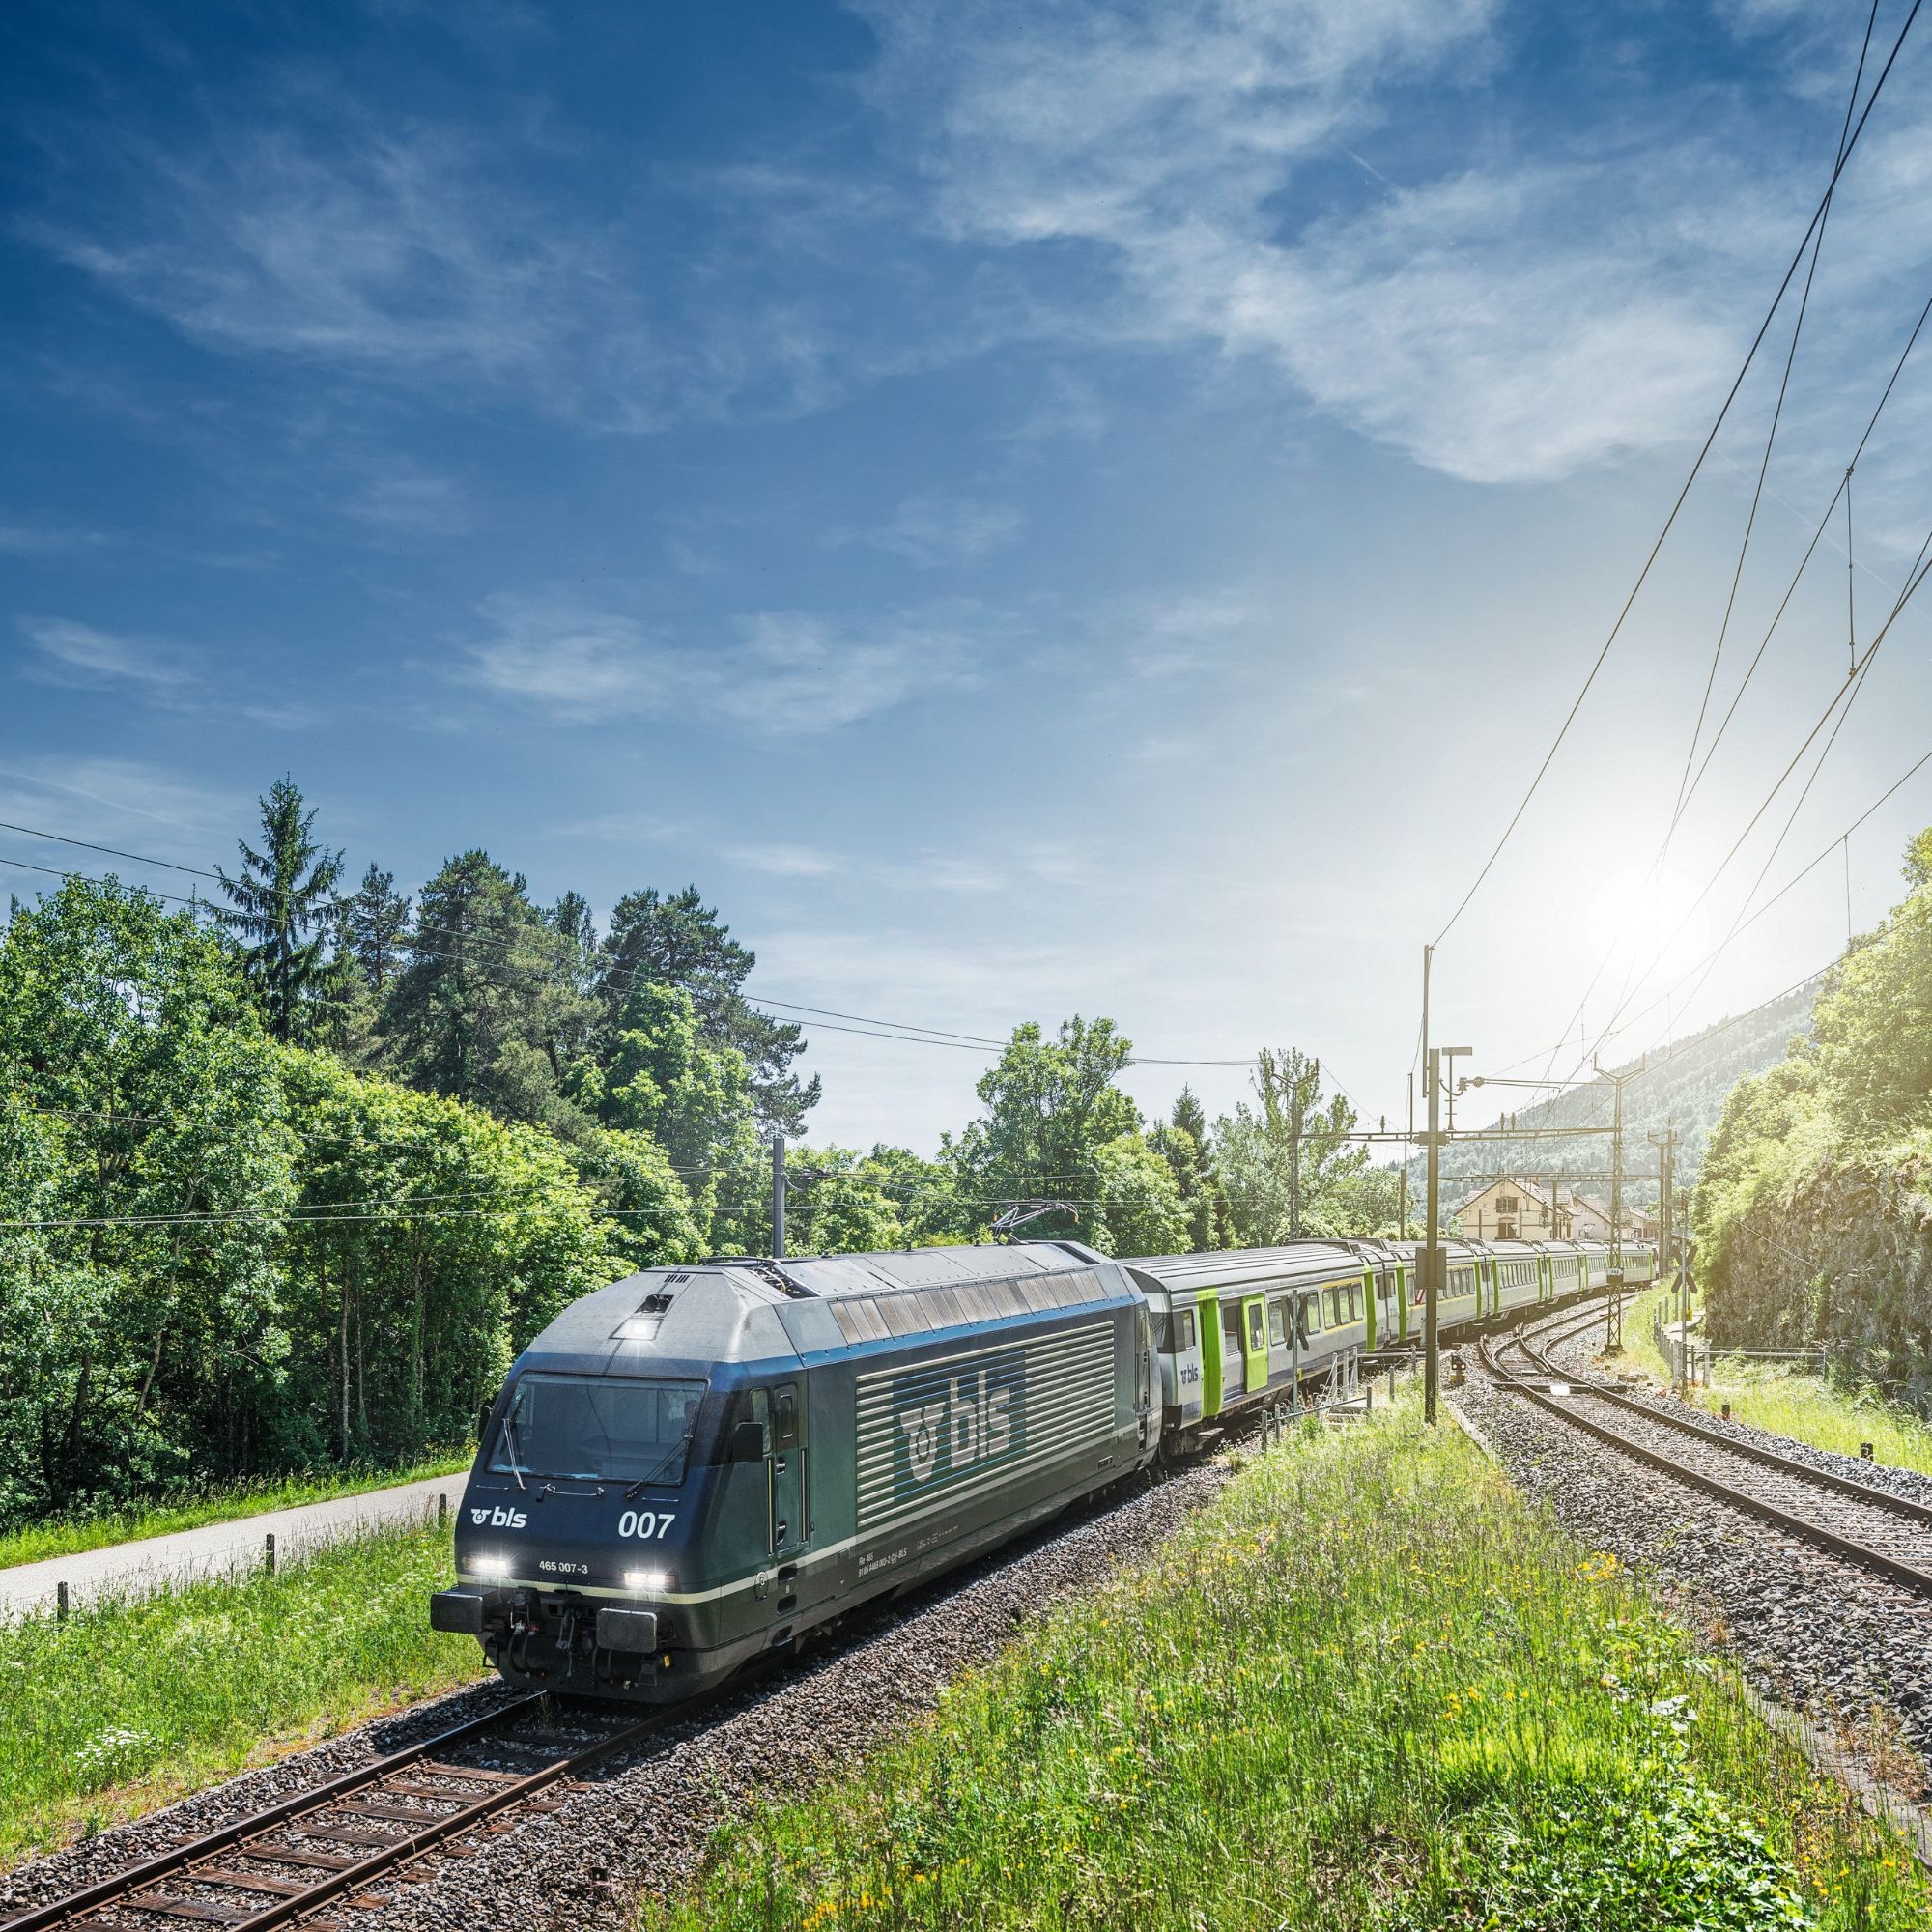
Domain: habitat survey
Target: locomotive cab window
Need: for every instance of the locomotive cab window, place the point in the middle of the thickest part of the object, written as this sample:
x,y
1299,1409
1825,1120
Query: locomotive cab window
x,y
597,1428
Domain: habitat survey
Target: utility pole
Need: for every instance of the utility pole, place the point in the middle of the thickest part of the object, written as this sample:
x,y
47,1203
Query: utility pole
x,y
1433,1278
1297,1114
1432,1201
778,1197
1618,1081
1404,1154
1665,1144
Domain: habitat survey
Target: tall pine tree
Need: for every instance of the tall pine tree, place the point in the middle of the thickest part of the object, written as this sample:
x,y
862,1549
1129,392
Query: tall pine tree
x,y
379,922
283,905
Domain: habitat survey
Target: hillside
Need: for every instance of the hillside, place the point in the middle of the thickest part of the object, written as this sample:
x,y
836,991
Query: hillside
x,y
1688,1084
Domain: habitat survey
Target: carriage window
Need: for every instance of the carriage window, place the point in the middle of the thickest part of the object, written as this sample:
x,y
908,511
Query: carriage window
x,y
1311,1314
1354,1301
1254,1327
1277,1327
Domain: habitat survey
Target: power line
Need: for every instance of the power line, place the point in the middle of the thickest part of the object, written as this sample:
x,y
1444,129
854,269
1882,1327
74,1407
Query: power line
x,y
1769,441
1844,694
1798,877
1846,148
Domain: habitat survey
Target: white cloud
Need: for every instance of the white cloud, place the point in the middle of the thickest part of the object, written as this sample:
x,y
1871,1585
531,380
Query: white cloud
x,y
786,862
122,802
421,254
622,828
408,502
46,539
783,673
797,672
71,653
936,528
1499,322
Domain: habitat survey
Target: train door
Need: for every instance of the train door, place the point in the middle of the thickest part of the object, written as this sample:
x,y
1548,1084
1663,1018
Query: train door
x,y
1369,1303
1402,1303
1212,1383
1234,1350
1254,1320
787,1470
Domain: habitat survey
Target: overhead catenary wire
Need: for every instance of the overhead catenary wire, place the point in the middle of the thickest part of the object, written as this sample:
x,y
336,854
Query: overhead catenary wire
x,y
1818,533
1797,878
1841,697
1847,147
1769,441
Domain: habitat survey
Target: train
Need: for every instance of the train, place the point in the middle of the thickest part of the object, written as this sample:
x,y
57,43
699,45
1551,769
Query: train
x,y
698,1466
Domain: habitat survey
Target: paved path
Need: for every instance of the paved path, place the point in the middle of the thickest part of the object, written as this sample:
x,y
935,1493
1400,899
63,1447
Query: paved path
x,y
216,1549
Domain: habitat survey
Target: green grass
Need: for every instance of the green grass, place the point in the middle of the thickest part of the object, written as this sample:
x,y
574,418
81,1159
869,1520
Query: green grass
x,y
1793,1401
67,1536
1368,1688
126,1706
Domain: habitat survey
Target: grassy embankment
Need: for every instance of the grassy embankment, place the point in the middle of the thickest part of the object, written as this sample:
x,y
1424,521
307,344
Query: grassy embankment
x,y
67,1536
1368,1688
1778,1397
125,1707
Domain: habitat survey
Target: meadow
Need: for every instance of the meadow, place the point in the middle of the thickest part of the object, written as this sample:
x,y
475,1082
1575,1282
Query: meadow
x,y
69,1535
126,1706
1792,1401
1368,1688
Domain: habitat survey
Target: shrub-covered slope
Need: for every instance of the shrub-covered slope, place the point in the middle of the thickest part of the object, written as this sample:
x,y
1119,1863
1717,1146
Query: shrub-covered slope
x,y
1814,1211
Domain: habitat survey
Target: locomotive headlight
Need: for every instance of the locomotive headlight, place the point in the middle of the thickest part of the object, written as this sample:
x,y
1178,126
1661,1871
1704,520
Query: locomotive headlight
x,y
647,1580
490,1566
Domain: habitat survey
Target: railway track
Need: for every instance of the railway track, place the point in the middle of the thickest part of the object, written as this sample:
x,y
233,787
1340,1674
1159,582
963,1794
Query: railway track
x,y
294,1859
1891,1535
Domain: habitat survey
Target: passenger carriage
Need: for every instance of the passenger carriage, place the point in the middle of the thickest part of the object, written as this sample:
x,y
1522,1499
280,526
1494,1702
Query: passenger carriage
x,y
1237,1329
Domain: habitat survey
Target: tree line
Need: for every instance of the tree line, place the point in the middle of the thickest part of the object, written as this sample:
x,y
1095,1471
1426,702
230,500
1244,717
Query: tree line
x,y
287,1180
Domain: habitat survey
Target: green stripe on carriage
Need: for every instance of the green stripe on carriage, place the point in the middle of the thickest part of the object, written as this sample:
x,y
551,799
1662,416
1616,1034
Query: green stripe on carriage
x,y
1212,1381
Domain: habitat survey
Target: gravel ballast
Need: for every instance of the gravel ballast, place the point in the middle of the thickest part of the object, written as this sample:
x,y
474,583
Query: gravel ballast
x,y
1809,1630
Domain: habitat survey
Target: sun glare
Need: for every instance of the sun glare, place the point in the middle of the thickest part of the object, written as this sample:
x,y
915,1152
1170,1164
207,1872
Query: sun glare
x,y
1637,908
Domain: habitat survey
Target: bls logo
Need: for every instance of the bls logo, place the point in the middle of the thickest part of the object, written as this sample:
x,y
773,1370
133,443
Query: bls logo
x,y
499,1519
971,1424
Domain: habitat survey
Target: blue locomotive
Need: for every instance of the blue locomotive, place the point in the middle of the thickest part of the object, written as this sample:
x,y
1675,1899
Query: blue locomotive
x,y
698,1465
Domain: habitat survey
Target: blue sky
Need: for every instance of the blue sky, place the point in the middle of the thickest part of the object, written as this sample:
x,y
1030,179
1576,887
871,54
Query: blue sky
x,y
1034,508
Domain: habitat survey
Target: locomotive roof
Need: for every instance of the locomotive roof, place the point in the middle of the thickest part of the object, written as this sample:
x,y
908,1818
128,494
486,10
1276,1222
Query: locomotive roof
x,y
742,1308
831,1276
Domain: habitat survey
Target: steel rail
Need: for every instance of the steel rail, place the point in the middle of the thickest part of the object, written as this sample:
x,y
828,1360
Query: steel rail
x,y
1755,1452
197,1863
1893,1568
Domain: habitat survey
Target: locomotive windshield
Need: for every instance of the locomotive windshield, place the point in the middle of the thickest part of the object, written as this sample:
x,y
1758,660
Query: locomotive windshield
x,y
608,1429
